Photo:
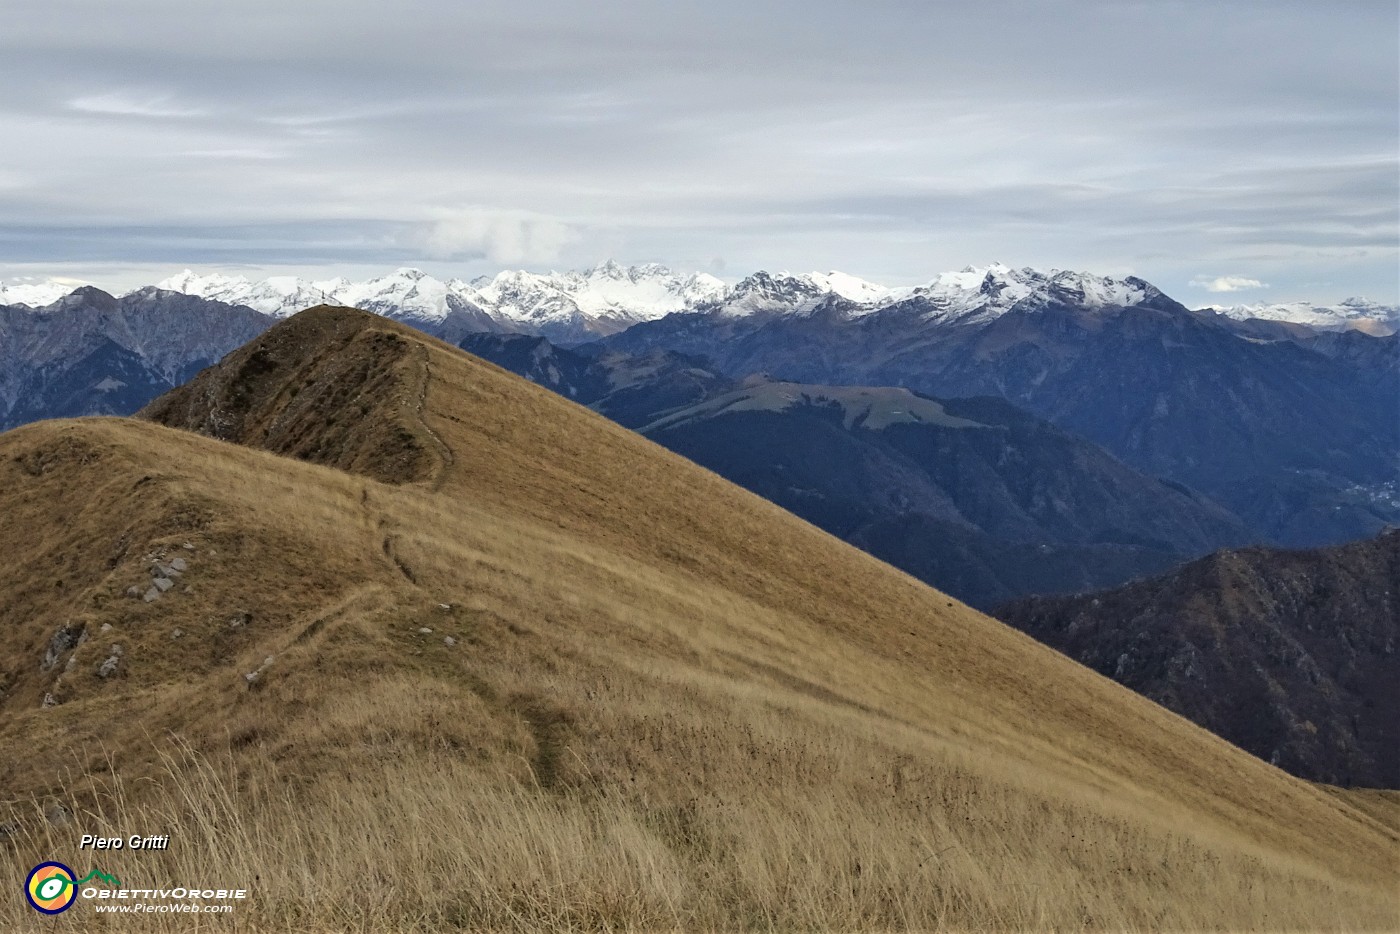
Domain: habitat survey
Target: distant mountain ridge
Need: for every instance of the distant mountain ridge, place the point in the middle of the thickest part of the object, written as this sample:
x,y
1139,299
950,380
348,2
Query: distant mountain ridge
x,y
631,390
90,353
1289,654
566,306
970,495
1295,430
1359,314
1292,429
576,306
572,306
33,292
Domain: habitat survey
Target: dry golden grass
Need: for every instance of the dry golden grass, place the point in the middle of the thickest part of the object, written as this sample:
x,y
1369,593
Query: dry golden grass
x,y
670,705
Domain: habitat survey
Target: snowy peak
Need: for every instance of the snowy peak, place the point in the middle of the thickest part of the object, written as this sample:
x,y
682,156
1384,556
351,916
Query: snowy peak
x,y
36,293
766,293
1359,314
529,298
701,286
1089,291
983,292
610,270
278,296
621,295
405,293
409,294
639,293
850,287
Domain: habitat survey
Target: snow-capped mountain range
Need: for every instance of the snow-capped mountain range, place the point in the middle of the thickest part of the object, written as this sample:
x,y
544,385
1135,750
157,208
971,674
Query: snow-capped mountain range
x,y
611,295
980,293
575,306
1355,313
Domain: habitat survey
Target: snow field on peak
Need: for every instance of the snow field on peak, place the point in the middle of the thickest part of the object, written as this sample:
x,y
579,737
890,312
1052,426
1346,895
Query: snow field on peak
x,y
278,296
635,293
984,292
1358,313
851,287
36,293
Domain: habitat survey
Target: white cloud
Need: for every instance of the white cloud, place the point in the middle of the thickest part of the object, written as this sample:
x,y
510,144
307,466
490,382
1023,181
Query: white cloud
x,y
1227,283
121,104
501,236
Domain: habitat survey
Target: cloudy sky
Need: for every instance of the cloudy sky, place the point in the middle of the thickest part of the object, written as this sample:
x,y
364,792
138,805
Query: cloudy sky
x,y
1227,150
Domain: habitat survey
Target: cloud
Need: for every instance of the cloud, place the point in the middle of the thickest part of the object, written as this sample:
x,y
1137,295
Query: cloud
x,y
502,236
122,104
319,132
1228,283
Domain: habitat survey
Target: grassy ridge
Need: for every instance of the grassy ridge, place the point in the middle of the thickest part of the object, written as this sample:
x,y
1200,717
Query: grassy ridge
x,y
668,704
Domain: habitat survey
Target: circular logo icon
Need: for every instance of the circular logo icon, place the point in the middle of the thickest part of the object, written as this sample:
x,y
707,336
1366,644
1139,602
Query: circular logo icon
x,y
50,888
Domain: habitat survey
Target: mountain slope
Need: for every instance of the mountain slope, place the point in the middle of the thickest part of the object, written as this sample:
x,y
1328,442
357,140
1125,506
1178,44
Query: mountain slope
x,y
92,353
630,390
665,703
1009,508
971,496
100,378
1298,440
1289,654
